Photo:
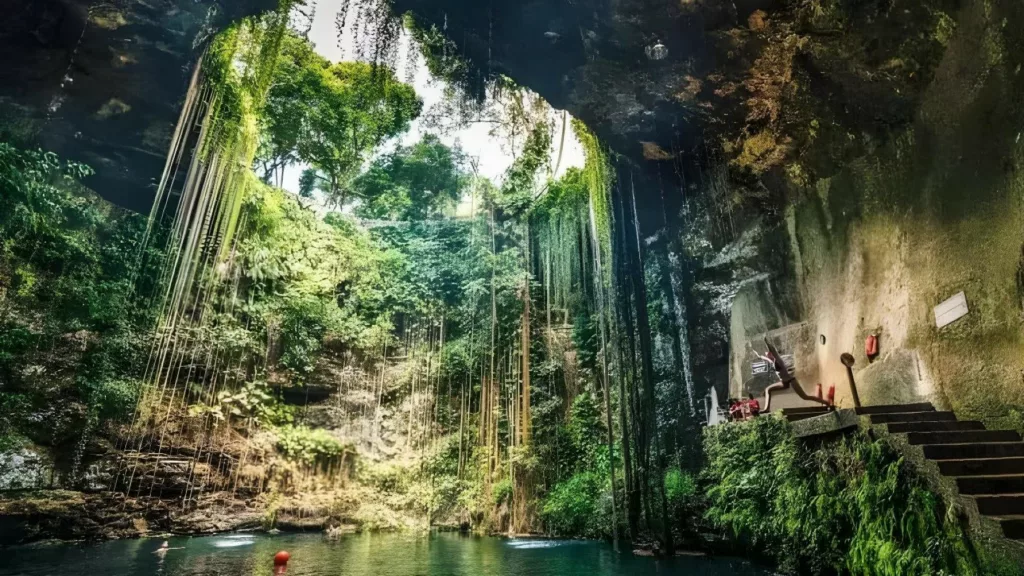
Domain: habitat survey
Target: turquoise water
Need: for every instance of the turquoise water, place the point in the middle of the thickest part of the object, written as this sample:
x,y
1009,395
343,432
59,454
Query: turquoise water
x,y
354,555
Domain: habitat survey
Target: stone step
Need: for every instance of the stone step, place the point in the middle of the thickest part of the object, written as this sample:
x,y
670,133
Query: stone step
x,y
1002,505
969,451
991,484
936,426
1013,526
969,436
805,415
982,466
928,416
805,410
896,408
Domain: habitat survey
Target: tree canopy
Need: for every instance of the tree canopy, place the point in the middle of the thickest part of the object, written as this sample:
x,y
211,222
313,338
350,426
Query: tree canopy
x,y
413,182
329,117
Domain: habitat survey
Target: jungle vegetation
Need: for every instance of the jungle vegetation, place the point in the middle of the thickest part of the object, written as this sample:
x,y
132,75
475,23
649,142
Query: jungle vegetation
x,y
517,366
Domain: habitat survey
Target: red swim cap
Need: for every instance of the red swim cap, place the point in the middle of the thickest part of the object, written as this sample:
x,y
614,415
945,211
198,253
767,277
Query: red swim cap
x,y
281,558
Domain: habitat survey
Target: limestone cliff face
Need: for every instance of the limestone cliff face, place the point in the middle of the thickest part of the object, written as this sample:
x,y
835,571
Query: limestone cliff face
x,y
835,167
103,82
934,208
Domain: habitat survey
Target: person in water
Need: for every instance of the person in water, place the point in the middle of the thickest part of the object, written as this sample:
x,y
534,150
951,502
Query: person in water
x,y
786,380
164,548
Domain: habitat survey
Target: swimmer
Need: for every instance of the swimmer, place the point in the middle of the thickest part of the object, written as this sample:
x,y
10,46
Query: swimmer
x,y
164,548
281,562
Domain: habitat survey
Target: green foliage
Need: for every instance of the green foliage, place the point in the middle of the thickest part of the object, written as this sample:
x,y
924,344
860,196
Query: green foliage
x,y
330,116
308,279
501,491
851,506
518,190
585,431
449,496
1016,419
13,408
252,403
37,197
240,66
302,331
413,182
429,269
114,399
61,247
574,507
597,176
578,506
679,486
70,308
444,60
289,104
309,446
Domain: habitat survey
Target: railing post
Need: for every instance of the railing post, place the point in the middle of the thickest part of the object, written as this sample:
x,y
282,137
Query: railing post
x,y
847,360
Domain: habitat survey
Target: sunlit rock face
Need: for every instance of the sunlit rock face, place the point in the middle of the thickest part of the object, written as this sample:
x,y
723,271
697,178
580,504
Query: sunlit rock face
x,y
102,83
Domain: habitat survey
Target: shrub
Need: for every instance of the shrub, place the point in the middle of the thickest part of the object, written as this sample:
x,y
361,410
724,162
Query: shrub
x,y
502,491
307,445
849,506
115,399
574,507
680,487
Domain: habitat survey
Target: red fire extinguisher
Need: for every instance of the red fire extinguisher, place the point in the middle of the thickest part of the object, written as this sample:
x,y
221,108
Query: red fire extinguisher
x,y
871,346
832,395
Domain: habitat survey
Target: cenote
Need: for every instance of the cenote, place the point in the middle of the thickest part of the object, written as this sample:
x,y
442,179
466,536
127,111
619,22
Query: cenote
x,y
738,279
356,555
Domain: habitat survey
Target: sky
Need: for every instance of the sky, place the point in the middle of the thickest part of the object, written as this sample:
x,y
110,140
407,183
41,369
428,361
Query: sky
x,y
490,152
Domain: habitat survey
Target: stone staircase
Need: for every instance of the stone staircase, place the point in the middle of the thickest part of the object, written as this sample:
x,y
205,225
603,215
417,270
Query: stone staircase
x,y
804,412
987,465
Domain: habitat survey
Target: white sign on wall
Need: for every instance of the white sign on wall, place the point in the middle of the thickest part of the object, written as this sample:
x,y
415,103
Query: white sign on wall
x,y
951,310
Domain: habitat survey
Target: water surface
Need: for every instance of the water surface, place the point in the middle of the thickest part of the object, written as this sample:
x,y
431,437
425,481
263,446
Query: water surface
x,y
354,555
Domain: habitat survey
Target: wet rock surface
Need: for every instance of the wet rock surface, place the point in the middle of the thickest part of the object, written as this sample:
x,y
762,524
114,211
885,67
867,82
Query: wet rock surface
x,y
103,83
26,468
30,516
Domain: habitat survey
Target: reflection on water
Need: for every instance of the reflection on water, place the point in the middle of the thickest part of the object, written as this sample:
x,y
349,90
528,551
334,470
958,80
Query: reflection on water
x,y
232,543
527,544
355,555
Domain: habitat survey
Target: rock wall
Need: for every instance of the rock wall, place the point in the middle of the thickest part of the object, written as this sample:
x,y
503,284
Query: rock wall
x,y
841,165
935,209
103,82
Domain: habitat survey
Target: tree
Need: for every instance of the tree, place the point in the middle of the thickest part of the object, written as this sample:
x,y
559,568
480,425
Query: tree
x,y
413,182
290,102
357,106
329,116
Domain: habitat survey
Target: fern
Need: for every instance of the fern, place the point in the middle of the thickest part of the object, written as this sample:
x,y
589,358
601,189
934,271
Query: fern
x,y
851,506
